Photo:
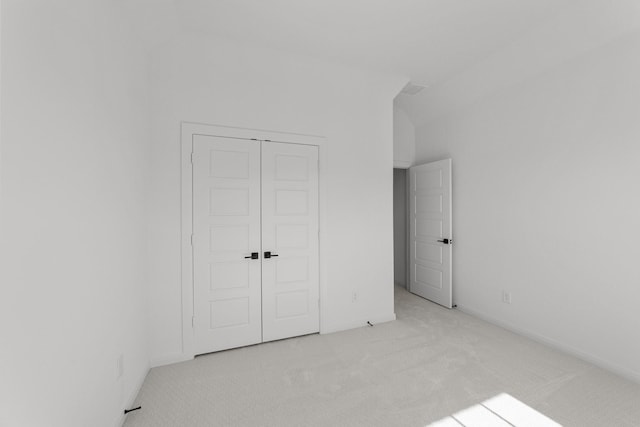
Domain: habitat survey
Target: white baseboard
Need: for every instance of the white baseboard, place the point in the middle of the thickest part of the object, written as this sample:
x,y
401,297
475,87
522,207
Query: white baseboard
x,y
132,397
616,369
180,357
169,360
357,324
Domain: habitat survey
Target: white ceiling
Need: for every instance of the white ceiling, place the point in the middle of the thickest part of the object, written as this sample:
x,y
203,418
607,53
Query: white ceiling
x,y
424,40
461,50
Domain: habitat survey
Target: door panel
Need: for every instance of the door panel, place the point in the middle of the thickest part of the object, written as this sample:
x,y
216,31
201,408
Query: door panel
x,y
430,221
290,281
226,229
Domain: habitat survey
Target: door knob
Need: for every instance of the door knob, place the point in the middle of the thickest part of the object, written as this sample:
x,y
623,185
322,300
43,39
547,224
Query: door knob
x,y
254,255
268,255
446,241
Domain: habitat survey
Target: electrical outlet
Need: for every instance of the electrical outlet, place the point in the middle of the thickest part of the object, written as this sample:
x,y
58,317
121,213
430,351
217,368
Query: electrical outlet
x,y
506,297
354,297
120,366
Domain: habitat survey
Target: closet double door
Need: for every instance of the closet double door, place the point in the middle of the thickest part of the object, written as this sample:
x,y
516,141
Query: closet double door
x,y
255,241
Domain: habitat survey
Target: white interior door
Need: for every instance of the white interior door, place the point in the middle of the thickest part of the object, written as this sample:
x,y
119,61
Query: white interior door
x,y
226,230
430,231
290,276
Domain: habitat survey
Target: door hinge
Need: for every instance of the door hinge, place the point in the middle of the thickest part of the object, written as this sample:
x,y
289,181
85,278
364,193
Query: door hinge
x,y
192,158
193,321
192,240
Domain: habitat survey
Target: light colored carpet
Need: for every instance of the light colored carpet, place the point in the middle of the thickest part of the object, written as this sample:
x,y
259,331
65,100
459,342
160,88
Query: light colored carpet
x,y
425,366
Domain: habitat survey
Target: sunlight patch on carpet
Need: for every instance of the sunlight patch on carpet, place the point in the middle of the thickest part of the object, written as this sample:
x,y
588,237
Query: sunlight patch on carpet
x,y
502,410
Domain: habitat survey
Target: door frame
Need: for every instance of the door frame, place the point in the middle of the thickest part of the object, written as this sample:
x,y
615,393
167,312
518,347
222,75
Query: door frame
x,y
188,130
407,190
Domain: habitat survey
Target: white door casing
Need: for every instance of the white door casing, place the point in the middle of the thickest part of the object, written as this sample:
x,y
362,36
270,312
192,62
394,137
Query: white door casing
x,y
290,278
226,230
431,232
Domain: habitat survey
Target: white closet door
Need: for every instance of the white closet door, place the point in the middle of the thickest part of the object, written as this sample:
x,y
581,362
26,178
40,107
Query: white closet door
x,y
226,227
290,279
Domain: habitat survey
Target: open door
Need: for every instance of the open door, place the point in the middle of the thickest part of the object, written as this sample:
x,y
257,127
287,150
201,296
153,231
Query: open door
x,y
430,231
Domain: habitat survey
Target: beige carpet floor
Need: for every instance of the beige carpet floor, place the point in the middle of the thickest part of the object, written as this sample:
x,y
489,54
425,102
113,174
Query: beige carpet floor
x,y
428,364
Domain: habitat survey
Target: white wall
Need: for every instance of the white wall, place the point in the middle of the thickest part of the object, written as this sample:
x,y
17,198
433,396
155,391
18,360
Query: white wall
x,y
546,185
404,138
211,81
74,169
400,226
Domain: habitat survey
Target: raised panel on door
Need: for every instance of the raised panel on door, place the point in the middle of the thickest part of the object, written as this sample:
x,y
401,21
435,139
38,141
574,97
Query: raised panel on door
x,y
290,280
226,229
430,223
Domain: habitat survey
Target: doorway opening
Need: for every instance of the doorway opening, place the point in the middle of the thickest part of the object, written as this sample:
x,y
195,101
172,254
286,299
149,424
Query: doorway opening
x,y
400,229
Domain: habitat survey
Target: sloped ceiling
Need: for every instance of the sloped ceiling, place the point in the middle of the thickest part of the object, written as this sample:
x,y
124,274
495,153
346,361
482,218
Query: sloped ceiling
x,y
570,32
